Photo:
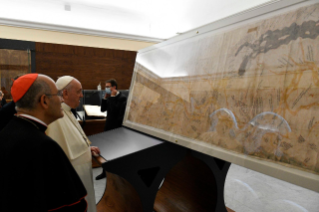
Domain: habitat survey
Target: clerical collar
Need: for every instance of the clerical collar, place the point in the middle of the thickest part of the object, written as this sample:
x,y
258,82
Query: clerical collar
x,y
34,121
68,108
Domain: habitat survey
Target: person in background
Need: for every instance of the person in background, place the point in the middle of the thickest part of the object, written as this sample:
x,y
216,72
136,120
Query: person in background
x,y
114,103
6,114
44,179
2,100
7,111
4,91
68,133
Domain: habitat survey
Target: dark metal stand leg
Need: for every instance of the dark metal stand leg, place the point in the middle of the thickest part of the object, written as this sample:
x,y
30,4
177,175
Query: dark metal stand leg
x,y
219,169
146,170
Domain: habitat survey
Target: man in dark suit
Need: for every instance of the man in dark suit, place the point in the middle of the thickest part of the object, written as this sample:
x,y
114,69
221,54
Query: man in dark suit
x,y
114,103
44,179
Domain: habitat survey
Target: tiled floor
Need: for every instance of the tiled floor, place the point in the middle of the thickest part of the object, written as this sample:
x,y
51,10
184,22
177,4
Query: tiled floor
x,y
250,191
99,185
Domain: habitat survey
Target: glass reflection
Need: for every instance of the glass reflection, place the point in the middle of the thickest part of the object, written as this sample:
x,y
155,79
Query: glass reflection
x,y
247,191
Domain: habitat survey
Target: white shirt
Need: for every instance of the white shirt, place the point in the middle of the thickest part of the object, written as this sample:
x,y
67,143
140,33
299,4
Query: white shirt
x,y
116,94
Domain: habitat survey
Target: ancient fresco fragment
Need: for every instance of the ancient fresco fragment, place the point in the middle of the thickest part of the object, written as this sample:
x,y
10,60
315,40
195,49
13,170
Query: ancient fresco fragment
x,y
253,90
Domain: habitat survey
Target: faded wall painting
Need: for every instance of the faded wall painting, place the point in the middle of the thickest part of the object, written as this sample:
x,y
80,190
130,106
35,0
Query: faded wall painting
x,y
253,89
13,63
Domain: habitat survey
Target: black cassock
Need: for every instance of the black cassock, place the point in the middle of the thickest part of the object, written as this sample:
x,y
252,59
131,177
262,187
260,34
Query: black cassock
x,y
35,173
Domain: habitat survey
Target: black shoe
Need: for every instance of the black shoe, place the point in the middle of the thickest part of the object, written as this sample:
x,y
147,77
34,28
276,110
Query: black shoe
x,y
101,176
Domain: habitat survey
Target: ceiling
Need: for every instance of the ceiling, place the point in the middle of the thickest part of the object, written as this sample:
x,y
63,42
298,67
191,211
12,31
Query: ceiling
x,y
147,20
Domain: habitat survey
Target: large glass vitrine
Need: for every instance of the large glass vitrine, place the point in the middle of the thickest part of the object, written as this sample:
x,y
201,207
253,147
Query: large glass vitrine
x,y
16,58
13,63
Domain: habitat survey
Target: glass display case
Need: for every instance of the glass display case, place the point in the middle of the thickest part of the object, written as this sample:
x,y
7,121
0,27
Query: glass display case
x,y
13,63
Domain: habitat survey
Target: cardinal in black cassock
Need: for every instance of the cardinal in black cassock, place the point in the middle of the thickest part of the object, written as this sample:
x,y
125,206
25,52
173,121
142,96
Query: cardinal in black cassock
x,y
36,175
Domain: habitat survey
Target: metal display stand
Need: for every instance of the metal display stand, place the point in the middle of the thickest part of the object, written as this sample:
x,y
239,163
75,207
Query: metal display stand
x,y
146,174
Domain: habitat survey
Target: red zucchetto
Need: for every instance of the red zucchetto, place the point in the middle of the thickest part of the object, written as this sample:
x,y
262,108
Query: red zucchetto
x,y
21,86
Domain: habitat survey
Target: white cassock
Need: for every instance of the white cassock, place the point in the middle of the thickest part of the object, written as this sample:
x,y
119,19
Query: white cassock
x,y
67,132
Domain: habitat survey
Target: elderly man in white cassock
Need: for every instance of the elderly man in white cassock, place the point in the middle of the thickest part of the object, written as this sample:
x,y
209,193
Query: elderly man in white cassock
x,y
67,132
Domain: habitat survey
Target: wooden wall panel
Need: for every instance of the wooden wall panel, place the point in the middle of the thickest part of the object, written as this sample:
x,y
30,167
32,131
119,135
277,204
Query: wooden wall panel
x,y
89,65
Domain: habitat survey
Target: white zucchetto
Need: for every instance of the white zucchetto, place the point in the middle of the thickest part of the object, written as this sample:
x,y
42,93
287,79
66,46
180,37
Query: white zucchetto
x,y
62,82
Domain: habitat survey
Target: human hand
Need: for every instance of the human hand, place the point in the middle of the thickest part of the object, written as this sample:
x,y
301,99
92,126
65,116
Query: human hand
x,y
107,96
95,151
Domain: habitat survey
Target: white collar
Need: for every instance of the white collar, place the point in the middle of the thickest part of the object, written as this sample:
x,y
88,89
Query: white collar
x,y
33,118
116,94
